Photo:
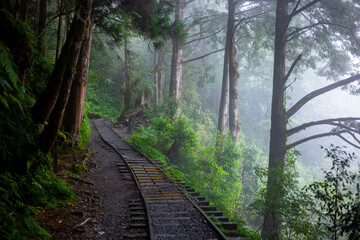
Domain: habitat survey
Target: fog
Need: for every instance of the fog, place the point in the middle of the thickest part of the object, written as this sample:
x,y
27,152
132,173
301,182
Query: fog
x,y
334,104
255,59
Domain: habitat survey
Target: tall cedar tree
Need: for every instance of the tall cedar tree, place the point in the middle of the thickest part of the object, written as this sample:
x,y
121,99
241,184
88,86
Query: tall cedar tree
x,y
176,60
224,100
280,117
75,107
54,99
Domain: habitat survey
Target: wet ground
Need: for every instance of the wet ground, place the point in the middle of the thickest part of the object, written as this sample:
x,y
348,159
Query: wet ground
x,y
102,207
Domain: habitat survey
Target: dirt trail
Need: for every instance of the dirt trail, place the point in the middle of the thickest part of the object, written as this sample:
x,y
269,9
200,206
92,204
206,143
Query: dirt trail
x,y
102,210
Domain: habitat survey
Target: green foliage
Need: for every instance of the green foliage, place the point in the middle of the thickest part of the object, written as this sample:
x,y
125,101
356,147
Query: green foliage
x,y
79,168
159,21
338,196
178,30
22,197
102,96
295,205
214,171
218,169
16,129
85,129
24,191
9,82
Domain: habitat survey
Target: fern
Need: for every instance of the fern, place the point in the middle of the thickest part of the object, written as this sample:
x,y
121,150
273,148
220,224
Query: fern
x,y
7,68
9,81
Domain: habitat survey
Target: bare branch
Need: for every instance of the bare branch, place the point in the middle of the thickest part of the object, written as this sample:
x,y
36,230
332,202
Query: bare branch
x,y
196,34
355,138
347,141
192,51
300,31
296,7
201,21
344,127
289,146
205,36
52,19
297,106
297,11
297,129
290,84
292,67
203,56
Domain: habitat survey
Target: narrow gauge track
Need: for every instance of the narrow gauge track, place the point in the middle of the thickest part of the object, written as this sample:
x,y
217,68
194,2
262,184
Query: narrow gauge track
x,y
168,212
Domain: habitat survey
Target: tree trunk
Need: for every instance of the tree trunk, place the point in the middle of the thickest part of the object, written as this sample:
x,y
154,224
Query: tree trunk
x,y
128,85
22,10
41,43
224,100
161,75
272,218
67,63
156,75
67,7
75,107
233,78
176,62
60,29
71,49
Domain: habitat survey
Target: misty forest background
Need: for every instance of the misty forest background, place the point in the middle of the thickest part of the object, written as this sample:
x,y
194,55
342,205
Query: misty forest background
x,y
212,82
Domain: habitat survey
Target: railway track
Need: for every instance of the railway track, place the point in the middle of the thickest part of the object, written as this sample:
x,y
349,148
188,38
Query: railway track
x,y
168,209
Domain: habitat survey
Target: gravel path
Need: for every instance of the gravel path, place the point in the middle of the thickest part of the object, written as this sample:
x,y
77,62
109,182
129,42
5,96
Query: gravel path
x,y
171,219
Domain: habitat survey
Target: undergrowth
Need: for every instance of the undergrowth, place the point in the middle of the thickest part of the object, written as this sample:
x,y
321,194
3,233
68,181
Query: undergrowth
x,y
24,191
85,130
23,197
213,170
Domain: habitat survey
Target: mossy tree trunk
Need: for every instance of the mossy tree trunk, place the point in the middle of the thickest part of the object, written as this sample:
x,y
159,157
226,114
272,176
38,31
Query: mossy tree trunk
x,y
75,107
234,77
58,87
128,85
159,74
60,29
176,62
229,100
156,76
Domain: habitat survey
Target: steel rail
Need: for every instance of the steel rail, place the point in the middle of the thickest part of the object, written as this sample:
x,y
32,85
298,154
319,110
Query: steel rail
x,y
213,226
148,219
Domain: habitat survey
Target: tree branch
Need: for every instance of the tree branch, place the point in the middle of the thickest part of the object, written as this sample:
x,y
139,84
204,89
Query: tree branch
x,y
297,106
192,52
52,19
292,67
289,146
353,135
204,37
290,84
296,7
297,129
297,11
203,56
347,141
302,30
199,21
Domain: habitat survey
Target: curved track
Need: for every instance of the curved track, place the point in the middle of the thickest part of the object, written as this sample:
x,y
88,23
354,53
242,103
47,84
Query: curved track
x,y
166,212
